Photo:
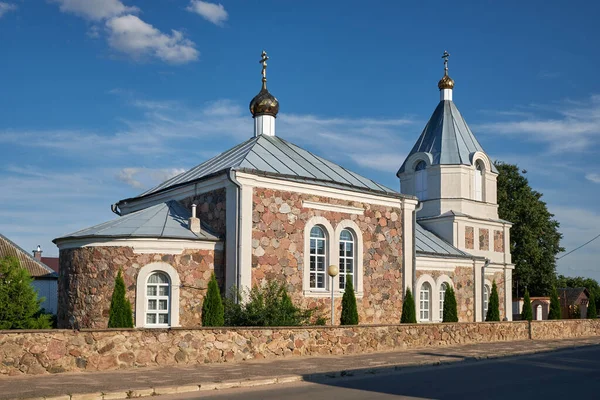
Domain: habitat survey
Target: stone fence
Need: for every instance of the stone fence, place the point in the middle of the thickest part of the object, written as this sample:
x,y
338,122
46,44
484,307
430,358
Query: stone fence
x,y
53,351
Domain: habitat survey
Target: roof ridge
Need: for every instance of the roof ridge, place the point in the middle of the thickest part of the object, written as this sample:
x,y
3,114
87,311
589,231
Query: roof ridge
x,y
26,253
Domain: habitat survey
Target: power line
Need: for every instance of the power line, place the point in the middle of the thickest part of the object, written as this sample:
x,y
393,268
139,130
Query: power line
x,y
577,248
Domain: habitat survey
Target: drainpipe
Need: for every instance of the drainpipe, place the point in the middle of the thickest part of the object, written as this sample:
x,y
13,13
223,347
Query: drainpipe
x,y
238,231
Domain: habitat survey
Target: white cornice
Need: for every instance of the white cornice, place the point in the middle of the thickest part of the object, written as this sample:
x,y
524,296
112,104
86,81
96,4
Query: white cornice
x,y
333,207
143,245
441,263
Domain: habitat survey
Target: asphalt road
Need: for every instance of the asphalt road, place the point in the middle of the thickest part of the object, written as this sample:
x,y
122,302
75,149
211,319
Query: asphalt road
x,y
564,375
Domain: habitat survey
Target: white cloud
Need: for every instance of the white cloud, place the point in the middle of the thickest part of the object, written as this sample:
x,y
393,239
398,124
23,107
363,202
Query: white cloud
x,y
144,178
132,36
6,7
593,177
95,10
212,12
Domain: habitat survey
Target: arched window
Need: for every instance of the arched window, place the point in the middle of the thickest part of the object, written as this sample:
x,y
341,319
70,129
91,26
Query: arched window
x,y
347,258
425,302
318,258
158,293
443,288
486,300
478,181
421,180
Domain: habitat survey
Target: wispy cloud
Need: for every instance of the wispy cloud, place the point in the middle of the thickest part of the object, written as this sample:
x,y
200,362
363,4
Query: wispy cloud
x,y
593,177
212,12
130,35
6,7
143,178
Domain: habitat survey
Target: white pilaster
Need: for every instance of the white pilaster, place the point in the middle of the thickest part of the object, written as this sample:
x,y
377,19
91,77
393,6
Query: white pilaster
x,y
231,218
409,267
446,94
508,293
264,125
246,239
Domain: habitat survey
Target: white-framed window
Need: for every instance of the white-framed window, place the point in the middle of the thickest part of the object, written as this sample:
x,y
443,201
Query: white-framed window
x,y
157,296
347,258
486,300
478,181
425,302
443,288
318,258
158,293
421,180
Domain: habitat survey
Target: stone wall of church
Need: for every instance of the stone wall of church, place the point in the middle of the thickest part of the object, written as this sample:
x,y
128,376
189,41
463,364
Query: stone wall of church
x,y
210,210
463,280
279,220
87,277
499,278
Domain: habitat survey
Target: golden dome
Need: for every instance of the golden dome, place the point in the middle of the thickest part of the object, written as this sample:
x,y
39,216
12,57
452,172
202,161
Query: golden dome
x,y
264,103
446,82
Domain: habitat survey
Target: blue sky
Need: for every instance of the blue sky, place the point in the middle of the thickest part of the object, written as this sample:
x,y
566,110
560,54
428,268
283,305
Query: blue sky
x,y
101,99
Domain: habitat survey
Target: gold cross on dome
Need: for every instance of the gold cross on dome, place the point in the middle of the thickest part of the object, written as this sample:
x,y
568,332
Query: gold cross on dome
x,y
263,61
445,57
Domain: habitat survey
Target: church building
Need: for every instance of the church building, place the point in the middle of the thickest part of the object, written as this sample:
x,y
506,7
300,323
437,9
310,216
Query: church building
x,y
267,209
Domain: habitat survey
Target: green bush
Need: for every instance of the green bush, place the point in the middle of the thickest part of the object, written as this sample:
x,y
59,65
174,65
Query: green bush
x,y
493,313
450,309
349,311
267,305
526,312
591,311
120,314
212,307
554,312
408,309
19,303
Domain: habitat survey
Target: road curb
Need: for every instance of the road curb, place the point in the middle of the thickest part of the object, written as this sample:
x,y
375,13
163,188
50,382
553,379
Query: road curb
x,y
315,377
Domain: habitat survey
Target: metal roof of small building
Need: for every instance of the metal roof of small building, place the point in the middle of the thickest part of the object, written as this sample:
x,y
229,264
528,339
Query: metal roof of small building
x,y
165,221
447,137
427,242
276,156
36,269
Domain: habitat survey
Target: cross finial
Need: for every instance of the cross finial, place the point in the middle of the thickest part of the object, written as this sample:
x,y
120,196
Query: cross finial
x,y
263,61
445,57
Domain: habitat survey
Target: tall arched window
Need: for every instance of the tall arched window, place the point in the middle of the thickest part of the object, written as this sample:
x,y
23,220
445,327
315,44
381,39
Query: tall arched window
x,y
347,258
421,180
478,181
486,300
318,258
158,293
443,288
425,302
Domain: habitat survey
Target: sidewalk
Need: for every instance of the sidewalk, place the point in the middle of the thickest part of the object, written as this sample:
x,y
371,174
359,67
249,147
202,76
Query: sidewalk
x,y
164,380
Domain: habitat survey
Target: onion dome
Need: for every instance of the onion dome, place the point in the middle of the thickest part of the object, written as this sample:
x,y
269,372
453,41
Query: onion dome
x,y
264,103
446,82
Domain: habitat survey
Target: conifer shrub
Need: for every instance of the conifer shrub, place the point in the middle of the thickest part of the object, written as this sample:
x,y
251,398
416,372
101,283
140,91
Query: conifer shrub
x,y
409,315
212,307
493,313
591,311
450,313
554,312
120,313
19,302
526,312
349,311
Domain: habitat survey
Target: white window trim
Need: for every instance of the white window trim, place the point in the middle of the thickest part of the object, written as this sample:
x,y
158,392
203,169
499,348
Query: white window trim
x,y
329,232
489,285
433,298
358,257
141,299
441,280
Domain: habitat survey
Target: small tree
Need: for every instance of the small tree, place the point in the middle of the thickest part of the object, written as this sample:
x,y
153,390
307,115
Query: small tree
x,y
450,309
526,311
212,307
554,312
120,314
349,311
19,303
408,309
591,311
493,313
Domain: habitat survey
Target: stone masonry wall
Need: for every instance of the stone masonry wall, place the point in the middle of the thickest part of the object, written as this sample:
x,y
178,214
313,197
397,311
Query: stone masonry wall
x,y
87,276
469,237
462,278
278,246
211,209
499,241
484,239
